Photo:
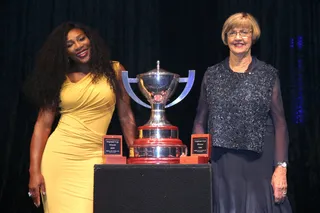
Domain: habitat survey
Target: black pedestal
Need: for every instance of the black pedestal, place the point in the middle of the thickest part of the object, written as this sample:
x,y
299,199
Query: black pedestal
x,y
153,188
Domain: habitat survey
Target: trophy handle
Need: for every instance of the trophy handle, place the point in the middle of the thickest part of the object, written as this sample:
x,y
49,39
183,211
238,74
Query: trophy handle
x,y
126,82
189,80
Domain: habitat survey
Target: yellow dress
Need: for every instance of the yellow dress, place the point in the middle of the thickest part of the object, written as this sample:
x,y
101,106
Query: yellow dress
x,y
76,145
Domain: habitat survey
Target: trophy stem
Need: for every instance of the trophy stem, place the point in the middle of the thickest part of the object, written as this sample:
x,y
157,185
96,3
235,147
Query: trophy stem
x,y
158,117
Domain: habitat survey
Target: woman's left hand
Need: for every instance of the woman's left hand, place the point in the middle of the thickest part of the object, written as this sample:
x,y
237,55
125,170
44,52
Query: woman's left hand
x,y
279,184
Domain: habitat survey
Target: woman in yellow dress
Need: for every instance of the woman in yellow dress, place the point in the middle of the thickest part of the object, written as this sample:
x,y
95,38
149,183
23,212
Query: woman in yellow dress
x,y
75,77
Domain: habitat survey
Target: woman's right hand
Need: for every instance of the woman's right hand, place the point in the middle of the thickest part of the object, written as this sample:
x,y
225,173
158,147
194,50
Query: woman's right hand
x,y
36,186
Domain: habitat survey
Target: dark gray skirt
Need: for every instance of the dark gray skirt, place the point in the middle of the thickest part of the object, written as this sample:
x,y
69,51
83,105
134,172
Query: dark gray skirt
x,y
242,180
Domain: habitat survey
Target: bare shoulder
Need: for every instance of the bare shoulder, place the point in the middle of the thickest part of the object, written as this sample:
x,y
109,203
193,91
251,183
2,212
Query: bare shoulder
x,y
117,67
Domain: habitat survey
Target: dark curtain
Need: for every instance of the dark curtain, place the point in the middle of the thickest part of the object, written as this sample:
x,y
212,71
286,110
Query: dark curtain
x,y
183,35
290,41
129,27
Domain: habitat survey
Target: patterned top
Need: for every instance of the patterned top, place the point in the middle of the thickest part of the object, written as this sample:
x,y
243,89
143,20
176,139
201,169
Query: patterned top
x,y
234,107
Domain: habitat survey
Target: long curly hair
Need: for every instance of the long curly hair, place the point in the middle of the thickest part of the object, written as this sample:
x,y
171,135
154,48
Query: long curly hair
x,y
52,64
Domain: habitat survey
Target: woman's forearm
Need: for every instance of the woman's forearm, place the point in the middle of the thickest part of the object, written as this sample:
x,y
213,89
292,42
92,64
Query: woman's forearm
x,y
128,125
38,143
41,132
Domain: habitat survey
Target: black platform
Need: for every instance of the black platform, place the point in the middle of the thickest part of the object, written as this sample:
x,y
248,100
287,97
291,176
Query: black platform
x,y
152,188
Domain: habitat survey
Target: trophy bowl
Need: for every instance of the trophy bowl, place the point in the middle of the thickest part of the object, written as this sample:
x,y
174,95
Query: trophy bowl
x,y
158,86
158,83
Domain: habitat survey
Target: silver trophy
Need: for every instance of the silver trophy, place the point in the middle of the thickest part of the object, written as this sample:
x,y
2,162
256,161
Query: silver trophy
x,y
158,140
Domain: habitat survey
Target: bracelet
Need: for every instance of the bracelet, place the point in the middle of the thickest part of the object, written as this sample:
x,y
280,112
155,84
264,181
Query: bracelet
x,y
282,164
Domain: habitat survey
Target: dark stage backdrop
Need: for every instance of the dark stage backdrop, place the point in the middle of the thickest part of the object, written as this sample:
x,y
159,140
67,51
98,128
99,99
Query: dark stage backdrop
x,y
183,35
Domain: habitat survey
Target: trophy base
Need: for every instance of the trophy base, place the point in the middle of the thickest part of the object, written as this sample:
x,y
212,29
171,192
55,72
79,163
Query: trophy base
x,y
157,145
153,160
156,151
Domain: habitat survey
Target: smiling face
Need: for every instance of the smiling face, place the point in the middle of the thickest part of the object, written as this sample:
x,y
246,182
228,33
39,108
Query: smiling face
x,y
239,40
78,46
240,31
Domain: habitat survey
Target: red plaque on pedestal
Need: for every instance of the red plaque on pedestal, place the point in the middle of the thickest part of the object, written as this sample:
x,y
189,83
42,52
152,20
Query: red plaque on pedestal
x,y
112,150
200,150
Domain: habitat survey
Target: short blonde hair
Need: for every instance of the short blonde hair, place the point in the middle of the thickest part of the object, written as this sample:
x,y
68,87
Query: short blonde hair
x,y
241,20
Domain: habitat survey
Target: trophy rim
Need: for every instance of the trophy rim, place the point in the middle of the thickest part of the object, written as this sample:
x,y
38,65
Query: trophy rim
x,y
156,72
